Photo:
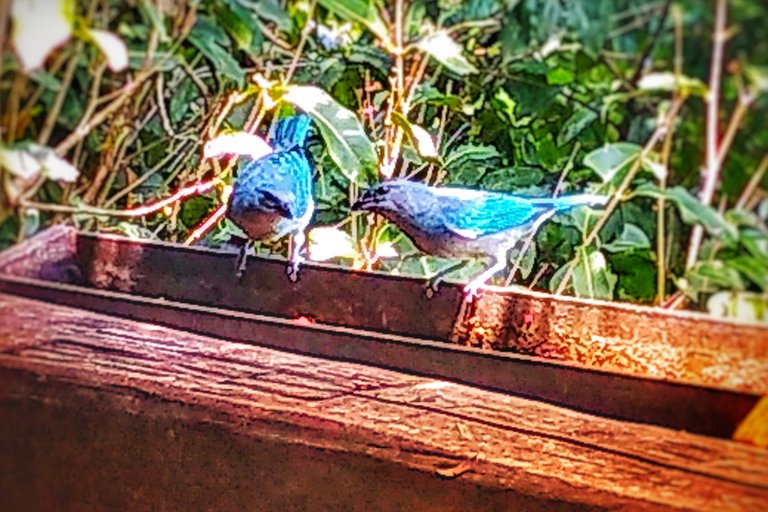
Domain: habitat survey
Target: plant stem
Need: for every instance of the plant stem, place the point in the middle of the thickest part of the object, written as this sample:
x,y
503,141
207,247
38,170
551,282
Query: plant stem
x,y
302,42
713,109
753,183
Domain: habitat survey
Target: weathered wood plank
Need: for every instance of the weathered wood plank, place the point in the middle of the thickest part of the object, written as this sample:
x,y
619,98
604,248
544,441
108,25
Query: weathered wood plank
x,y
682,406
490,440
675,345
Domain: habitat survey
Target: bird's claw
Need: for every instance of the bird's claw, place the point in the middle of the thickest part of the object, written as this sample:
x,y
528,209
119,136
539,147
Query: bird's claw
x,y
472,291
292,270
242,260
431,288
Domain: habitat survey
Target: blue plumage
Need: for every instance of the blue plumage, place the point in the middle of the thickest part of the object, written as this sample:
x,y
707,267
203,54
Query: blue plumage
x,y
464,223
272,196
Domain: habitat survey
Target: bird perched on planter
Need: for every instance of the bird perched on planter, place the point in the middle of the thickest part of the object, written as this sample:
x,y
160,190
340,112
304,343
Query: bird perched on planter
x,y
272,196
464,223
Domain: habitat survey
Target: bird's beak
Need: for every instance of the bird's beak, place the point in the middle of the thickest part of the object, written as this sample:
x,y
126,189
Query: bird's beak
x,y
361,205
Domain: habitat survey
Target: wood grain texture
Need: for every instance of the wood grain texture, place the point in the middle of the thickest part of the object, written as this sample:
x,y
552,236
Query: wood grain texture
x,y
375,421
674,345
639,340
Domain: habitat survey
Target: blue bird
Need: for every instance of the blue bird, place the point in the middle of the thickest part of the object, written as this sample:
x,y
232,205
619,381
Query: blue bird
x,y
464,223
272,196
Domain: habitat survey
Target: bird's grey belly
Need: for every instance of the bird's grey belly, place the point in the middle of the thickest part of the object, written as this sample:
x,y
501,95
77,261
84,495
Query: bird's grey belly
x,y
447,244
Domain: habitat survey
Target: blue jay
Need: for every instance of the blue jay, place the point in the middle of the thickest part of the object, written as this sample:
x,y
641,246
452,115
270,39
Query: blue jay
x,y
464,223
272,196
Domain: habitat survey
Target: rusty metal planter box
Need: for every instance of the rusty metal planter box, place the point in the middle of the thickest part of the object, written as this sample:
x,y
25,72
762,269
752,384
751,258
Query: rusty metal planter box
x,y
676,369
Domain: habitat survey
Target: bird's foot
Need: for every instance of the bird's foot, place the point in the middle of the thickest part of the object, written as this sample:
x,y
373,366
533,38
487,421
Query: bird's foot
x,y
292,270
432,287
242,261
473,290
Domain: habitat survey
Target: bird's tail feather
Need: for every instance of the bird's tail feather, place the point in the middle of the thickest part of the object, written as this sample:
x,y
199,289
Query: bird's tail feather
x,y
567,202
290,132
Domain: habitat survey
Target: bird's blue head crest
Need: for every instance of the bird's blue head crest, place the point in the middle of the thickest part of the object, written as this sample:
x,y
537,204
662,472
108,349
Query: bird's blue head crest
x,y
395,195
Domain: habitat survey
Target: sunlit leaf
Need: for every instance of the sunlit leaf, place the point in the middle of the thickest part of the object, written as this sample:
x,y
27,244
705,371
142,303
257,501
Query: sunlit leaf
x,y
447,51
29,160
113,48
236,143
39,26
611,159
668,81
326,243
422,141
386,250
343,134
631,237
359,10
758,76
656,168
57,169
20,163
742,306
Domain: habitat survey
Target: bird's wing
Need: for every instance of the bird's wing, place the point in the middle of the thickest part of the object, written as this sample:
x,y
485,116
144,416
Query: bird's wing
x,y
285,175
487,213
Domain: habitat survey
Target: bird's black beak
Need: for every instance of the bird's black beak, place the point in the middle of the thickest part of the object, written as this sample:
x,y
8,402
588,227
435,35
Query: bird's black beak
x,y
361,205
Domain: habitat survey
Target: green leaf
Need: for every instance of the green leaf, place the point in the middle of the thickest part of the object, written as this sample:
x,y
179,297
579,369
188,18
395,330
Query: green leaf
x,y
241,26
710,276
361,11
447,51
155,17
751,268
194,210
574,125
270,10
428,93
46,79
460,156
692,210
591,276
756,243
631,237
509,178
609,160
208,38
560,76
343,134
637,275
